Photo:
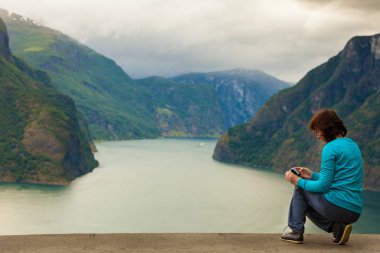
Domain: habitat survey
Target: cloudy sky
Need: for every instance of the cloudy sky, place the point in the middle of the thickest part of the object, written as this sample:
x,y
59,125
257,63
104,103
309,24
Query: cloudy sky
x,y
285,38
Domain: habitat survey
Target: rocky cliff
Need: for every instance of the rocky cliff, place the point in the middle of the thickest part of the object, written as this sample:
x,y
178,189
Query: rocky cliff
x,y
41,138
5,52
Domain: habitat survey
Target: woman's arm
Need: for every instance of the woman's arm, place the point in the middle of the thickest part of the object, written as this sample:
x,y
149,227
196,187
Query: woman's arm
x,y
323,180
314,176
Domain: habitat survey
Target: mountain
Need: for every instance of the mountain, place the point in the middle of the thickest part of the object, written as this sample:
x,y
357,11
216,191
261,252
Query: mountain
x,y
207,104
110,101
241,91
41,137
185,109
278,138
117,107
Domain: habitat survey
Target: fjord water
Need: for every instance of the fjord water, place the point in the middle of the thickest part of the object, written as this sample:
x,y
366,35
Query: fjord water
x,y
165,185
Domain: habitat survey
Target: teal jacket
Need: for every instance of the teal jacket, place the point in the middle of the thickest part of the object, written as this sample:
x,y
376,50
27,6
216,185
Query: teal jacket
x,y
340,177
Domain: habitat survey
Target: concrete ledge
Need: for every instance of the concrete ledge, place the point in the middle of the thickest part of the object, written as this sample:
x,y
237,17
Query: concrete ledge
x,y
182,242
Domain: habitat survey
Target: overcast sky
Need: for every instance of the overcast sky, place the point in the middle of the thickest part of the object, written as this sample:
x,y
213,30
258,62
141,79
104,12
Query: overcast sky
x,y
285,38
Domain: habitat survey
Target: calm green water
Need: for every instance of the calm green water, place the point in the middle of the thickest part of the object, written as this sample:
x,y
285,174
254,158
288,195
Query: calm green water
x,y
167,185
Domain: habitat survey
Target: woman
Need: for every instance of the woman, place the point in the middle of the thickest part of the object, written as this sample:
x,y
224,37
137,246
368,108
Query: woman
x,y
331,199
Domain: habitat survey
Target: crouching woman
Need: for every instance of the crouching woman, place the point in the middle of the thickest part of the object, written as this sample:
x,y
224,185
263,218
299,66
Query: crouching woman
x,y
332,198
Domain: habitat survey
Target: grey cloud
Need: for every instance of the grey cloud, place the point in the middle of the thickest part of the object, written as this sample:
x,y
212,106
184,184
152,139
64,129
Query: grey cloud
x,y
167,37
359,5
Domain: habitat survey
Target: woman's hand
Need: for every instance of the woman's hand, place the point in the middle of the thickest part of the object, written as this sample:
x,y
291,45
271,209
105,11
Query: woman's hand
x,y
292,178
305,172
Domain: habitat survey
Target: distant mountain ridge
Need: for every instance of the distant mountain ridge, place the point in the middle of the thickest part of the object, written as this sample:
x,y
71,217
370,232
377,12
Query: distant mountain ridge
x,y
42,139
241,91
117,107
278,138
206,104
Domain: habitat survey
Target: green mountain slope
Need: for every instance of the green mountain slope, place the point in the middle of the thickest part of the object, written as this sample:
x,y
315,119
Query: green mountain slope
x,y
278,138
41,139
109,99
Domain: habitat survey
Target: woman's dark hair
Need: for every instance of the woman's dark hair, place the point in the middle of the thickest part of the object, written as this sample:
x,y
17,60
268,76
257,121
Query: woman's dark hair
x,y
329,123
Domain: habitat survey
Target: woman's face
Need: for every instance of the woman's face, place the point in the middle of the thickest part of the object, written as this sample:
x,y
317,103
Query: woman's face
x,y
319,135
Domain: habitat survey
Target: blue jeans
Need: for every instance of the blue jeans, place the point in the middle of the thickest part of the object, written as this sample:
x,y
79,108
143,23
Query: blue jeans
x,y
318,209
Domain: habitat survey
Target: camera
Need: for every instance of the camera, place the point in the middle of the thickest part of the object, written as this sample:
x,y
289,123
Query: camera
x,y
295,172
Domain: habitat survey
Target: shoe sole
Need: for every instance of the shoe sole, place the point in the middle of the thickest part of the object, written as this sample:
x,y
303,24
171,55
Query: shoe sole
x,y
297,242
345,236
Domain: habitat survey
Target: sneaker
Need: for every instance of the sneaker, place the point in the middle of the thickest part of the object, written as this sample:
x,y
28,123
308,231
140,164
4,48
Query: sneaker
x,y
292,236
341,233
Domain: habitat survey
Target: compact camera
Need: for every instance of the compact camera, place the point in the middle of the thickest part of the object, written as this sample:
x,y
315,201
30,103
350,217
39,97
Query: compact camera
x,y
295,172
